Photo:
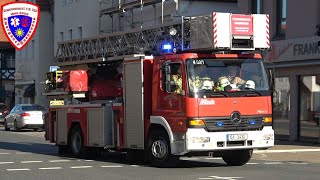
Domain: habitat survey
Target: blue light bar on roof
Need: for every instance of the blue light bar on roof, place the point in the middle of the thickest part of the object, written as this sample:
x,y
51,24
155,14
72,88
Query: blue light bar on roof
x,y
167,46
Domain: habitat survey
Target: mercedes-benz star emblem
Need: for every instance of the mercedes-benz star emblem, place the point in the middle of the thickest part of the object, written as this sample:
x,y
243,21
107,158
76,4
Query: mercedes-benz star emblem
x,y
235,117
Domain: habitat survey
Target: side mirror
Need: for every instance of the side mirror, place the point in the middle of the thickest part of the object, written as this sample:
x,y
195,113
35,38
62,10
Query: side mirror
x,y
271,75
168,69
271,79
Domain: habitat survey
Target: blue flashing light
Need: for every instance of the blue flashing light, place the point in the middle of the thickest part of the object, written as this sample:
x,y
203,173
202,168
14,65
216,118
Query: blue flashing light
x,y
219,124
167,46
252,122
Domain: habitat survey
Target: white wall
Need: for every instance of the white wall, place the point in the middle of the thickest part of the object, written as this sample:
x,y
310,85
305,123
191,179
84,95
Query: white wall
x,y
35,58
44,51
70,16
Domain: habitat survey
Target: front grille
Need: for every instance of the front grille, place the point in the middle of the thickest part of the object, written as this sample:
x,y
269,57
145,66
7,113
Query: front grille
x,y
228,125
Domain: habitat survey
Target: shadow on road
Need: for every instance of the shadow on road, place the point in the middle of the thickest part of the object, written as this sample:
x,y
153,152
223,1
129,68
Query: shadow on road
x,y
110,157
29,147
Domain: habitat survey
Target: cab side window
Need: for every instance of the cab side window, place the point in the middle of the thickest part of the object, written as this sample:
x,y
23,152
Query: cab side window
x,y
172,78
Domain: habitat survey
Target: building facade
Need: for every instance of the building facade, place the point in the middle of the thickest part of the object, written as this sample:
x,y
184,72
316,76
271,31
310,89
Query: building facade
x,y
127,14
7,67
75,19
295,54
33,61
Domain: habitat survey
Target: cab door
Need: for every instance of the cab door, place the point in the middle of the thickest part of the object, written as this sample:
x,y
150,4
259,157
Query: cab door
x,y
171,99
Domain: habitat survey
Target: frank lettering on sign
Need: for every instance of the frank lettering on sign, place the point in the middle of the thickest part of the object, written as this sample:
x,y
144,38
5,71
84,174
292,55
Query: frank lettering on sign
x,y
19,21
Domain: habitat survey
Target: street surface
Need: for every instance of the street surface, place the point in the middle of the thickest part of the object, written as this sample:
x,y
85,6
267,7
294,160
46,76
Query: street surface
x,y
27,156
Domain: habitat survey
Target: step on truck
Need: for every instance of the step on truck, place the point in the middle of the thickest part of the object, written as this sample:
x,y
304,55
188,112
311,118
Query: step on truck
x,y
190,88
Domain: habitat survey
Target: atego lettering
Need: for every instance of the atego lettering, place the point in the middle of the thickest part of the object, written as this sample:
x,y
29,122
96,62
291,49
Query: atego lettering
x,y
207,102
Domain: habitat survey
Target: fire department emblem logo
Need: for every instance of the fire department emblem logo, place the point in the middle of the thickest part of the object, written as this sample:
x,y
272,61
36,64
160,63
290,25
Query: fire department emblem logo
x,y
19,22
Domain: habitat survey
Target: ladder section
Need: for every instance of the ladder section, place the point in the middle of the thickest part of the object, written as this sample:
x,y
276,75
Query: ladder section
x,y
138,41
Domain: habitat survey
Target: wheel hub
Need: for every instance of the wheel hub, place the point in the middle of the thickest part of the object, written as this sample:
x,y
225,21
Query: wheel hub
x,y
159,149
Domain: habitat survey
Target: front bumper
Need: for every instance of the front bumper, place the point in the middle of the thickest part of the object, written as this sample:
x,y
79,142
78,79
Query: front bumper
x,y
30,123
198,139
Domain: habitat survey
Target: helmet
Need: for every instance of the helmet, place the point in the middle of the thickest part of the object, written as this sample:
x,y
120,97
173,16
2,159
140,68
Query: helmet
x,y
250,84
223,82
207,84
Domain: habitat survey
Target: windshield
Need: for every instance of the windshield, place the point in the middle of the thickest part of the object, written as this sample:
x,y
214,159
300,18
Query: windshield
x,y
226,76
33,108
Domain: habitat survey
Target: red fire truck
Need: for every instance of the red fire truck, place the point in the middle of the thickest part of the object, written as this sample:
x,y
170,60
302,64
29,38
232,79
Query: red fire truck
x,y
188,88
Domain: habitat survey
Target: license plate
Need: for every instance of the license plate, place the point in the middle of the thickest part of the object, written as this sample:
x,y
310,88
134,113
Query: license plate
x,y
236,137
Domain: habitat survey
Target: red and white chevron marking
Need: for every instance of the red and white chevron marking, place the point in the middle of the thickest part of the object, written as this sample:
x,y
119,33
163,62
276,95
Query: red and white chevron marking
x,y
267,31
215,28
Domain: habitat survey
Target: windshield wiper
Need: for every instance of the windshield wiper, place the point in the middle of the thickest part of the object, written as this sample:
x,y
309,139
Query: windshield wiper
x,y
253,90
219,92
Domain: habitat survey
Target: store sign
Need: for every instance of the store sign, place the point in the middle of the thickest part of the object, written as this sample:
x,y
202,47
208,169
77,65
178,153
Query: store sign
x,y
54,68
294,49
241,24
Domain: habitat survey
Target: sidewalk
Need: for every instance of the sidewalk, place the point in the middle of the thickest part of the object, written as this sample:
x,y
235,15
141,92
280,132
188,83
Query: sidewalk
x,y
295,152
283,145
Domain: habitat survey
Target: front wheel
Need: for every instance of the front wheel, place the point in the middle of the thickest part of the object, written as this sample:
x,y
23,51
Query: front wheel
x,y
159,151
237,157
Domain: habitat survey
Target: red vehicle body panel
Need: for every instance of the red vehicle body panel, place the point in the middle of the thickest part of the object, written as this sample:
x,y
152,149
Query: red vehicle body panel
x,y
175,108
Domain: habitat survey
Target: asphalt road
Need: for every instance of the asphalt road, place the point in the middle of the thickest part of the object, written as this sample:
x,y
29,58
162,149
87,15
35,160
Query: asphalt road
x,y
26,156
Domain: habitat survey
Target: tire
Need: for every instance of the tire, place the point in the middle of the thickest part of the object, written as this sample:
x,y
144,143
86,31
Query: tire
x,y
237,157
6,126
15,126
77,142
159,150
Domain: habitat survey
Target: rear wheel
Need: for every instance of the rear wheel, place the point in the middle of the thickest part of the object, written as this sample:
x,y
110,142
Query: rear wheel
x,y
77,141
237,157
159,150
6,126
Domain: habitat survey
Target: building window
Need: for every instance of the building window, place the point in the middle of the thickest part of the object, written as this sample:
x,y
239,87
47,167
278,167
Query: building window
x,y
61,36
70,34
63,2
69,1
281,108
80,32
281,17
256,6
309,102
11,62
